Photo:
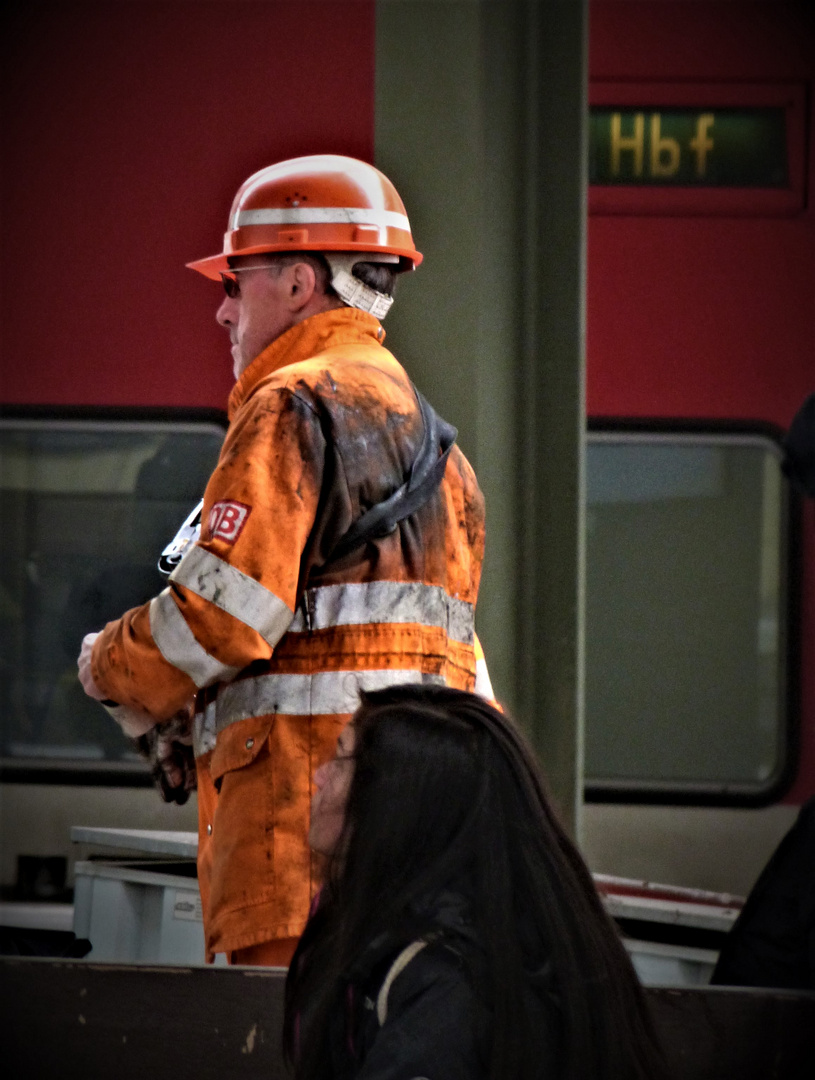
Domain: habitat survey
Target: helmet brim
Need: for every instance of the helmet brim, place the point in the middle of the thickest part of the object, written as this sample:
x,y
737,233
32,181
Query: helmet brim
x,y
216,265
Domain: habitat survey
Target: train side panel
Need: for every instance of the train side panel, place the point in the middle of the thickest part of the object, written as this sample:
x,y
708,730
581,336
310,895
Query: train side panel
x,y
706,315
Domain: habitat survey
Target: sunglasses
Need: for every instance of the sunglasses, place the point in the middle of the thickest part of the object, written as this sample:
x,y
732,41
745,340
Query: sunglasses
x,y
229,278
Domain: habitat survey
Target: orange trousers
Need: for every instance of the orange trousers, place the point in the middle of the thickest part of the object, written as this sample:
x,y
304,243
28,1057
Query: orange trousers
x,y
266,953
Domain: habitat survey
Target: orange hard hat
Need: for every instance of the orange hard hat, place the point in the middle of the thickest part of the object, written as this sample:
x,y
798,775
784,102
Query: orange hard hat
x,y
324,202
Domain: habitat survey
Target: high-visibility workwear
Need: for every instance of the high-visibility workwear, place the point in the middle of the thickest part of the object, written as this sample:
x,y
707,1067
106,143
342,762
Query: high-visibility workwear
x,y
275,632
323,202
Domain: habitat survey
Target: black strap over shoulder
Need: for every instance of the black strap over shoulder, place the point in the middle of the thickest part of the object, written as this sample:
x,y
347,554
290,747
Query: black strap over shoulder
x,y
426,474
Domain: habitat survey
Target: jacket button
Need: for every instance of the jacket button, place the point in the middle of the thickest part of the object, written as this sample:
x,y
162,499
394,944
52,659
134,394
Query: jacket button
x,y
209,830
250,743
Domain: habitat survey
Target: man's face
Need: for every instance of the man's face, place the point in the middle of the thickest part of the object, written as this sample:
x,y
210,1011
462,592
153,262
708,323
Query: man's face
x,y
259,312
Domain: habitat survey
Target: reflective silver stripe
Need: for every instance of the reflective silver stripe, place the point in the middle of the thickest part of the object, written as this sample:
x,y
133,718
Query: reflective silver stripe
x,y
234,592
328,693
178,645
385,602
203,730
322,215
483,683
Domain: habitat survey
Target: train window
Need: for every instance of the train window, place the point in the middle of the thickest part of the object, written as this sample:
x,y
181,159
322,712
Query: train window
x,y
687,617
87,506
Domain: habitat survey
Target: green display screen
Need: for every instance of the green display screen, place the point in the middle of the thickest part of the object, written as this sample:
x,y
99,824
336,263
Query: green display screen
x,y
688,147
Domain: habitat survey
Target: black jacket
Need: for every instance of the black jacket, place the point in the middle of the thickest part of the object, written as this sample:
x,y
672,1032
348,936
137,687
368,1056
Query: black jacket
x,y
438,1021
772,943
436,1025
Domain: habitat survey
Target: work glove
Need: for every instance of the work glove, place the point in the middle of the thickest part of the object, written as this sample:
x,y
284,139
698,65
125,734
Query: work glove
x,y
168,748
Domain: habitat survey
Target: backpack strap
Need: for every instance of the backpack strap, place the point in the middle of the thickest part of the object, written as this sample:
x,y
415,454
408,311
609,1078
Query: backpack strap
x,y
396,968
426,474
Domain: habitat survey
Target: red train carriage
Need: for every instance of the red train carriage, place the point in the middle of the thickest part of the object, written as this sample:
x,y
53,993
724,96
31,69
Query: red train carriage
x,y
700,688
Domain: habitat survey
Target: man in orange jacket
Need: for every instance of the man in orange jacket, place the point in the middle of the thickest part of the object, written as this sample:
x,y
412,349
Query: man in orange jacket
x,y
341,543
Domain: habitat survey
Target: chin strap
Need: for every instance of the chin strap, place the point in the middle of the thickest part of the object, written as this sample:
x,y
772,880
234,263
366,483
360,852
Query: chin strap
x,y
350,289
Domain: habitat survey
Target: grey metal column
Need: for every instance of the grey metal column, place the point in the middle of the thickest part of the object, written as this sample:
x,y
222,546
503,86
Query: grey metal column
x,y
481,124
551,610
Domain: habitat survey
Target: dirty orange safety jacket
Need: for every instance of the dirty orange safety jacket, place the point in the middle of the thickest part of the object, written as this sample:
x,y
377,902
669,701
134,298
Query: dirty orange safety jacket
x,y
273,634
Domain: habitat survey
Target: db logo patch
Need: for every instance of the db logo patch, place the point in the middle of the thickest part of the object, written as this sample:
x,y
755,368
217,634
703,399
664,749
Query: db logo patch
x,y
226,519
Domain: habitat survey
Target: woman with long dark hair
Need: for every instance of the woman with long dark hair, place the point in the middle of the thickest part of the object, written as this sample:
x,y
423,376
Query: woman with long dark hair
x,y
459,935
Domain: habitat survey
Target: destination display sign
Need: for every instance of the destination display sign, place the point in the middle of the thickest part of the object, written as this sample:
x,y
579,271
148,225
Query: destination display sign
x,y
688,147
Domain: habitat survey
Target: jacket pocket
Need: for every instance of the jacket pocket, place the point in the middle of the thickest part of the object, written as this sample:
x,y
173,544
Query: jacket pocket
x,y
239,744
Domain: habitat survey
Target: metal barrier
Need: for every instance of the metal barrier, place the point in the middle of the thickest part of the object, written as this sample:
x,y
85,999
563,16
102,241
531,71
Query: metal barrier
x,y
75,1019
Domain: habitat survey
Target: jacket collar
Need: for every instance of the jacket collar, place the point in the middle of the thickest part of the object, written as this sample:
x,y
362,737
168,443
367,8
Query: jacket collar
x,y
340,326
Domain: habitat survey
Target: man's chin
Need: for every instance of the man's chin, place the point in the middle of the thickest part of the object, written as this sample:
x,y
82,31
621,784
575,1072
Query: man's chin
x,y
238,366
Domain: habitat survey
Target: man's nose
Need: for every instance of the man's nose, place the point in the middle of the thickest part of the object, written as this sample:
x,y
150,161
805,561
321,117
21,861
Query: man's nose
x,y
225,315
319,775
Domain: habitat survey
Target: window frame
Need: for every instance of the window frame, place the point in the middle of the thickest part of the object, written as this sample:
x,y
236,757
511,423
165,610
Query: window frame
x,y
84,771
688,793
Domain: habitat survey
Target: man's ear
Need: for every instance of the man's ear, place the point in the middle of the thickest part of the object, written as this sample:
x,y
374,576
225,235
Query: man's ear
x,y
301,284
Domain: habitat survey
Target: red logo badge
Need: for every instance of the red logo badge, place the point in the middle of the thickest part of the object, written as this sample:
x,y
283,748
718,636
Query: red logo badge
x,y
227,519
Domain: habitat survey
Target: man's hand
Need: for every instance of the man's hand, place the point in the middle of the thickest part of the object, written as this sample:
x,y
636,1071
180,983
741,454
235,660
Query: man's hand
x,y
132,721
84,665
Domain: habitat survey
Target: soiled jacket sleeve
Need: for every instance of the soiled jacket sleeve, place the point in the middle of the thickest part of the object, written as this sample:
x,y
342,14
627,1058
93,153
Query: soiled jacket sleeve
x,y
435,1026
233,595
